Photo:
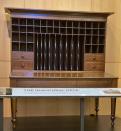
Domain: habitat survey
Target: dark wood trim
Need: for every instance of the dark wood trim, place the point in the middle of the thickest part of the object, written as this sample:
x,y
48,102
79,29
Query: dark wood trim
x,y
57,12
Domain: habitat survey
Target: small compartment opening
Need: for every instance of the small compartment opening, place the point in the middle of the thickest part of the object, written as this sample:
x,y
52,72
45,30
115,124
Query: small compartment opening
x,y
15,46
37,29
22,46
88,31
37,22
15,28
101,49
88,39
87,48
95,31
82,24
23,37
75,24
22,28
95,40
29,37
56,23
101,31
22,21
81,39
95,24
50,29
29,46
43,23
62,23
15,21
15,36
56,30
50,23
43,30
63,30
69,23
101,39
94,48
69,30
30,28
75,31
102,25
82,31
88,24
29,21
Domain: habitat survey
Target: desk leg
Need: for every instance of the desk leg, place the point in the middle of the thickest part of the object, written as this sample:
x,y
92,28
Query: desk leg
x,y
96,105
81,114
113,110
1,114
13,111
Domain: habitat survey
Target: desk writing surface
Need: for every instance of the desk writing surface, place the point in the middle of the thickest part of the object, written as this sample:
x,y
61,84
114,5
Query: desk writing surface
x,y
59,74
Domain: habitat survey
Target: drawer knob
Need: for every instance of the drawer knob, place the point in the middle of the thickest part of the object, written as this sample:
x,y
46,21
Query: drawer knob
x,y
94,67
94,58
23,65
22,57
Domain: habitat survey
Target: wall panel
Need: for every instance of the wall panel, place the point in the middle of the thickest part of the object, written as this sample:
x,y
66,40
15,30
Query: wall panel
x,y
4,38
14,3
112,68
103,5
4,69
113,53
79,5
4,82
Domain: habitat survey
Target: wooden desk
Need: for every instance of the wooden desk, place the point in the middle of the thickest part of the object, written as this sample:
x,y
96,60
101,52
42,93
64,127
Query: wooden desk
x,y
62,79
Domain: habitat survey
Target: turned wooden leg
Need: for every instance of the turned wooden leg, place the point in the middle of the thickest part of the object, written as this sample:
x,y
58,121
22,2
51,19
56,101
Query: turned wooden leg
x,y
1,114
13,111
113,110
96,105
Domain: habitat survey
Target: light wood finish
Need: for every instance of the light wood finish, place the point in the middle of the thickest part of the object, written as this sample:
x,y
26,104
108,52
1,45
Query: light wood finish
x,y
81,5
59,5
4,82
113,67
4,38
4,69
14,3
102,5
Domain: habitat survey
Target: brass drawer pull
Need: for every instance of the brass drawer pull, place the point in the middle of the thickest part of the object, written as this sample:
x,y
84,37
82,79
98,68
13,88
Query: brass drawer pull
x,y
94,58
94,67
23,65
22,57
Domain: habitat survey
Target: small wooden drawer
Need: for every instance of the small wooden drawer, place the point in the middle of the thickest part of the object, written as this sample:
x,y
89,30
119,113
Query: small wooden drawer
x,y
22,55
22,65
94,66
92,57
